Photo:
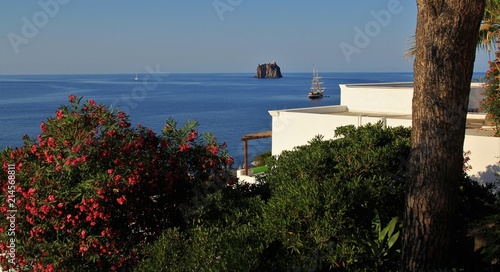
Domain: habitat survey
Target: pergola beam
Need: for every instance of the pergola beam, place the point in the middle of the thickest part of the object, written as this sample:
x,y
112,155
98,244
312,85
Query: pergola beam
x,y
253,136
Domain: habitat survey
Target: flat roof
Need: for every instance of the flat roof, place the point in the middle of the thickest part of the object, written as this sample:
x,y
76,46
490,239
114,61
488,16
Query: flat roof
x,y
474,124
480,132
394,84
372,114
382,84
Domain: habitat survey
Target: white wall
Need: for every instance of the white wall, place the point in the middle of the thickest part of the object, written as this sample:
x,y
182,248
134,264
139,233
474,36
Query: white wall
x,y
291,128
476,95
391,97
377,97
484,157
297,127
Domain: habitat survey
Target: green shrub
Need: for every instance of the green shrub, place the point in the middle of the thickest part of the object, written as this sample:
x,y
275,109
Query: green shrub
x,y
313,212
91,190
480,226
262,159
489,231
228,237
327,206
325,195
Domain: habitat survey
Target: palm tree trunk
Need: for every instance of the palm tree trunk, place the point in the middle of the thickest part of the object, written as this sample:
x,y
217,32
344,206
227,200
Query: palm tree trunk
x,y
446,38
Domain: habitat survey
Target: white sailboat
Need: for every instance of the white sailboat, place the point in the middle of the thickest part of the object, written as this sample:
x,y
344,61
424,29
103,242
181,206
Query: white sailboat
x,y
316,90
136,78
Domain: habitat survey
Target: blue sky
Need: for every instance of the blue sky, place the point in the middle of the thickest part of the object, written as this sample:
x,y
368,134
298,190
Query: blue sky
x,y
119,36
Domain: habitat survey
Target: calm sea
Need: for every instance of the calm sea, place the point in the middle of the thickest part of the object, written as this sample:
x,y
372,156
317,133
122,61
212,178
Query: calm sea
x,y
228,105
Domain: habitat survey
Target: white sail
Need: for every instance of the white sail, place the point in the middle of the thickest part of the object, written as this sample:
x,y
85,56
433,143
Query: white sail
x,y
316,90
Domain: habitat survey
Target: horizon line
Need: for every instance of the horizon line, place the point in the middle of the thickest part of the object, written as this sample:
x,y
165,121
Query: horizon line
x,y
166,73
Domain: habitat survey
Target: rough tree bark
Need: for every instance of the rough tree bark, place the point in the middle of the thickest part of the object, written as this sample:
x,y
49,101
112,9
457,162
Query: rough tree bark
x,y
446,38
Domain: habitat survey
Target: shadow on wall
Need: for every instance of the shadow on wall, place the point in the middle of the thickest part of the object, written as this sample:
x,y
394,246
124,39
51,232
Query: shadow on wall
x,y
490,175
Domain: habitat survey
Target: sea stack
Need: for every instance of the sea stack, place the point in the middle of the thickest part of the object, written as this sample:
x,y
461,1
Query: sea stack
x,y
268,70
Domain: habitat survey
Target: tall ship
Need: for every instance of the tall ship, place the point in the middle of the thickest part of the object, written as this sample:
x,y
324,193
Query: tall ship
x,y
316,90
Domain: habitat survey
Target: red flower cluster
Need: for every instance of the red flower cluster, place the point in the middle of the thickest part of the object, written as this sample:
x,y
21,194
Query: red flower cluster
x,y
491,100
91,190
59,115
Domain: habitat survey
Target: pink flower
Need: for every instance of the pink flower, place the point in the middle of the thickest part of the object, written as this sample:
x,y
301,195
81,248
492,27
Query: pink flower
x,y
76,148
110,171
72,98
33,149
31,191
229,161
49,268
59,114
213,149
49,158
43,127
192,136
100,192
83,249
45,209
132,181
184,147
121,199
51,142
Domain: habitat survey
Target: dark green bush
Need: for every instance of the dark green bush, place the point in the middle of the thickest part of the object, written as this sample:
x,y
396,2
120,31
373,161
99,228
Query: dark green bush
x,y
262,159
479,215
314,212
325,195
327,206
227,238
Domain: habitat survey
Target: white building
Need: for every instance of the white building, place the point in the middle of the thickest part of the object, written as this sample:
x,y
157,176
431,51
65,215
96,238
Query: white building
x,y
391,104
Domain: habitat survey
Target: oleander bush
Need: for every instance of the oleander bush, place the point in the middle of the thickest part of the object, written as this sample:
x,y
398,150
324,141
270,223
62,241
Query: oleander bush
x,y
91,191
491,100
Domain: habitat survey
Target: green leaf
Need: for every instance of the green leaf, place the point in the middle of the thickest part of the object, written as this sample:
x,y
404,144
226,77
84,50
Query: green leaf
x,y
392,225
393,239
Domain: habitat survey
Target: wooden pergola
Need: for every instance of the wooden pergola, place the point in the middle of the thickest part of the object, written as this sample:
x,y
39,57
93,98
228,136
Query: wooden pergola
x,y
253,136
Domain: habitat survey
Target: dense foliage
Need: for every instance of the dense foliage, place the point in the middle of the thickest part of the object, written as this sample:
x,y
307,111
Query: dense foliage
x,y
325,196
91,190
326,206
93,193
321,206
491,101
